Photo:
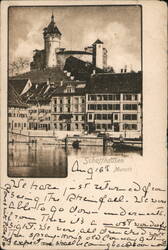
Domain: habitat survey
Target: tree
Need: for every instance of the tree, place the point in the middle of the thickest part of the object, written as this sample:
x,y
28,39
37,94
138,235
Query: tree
x,y
18,66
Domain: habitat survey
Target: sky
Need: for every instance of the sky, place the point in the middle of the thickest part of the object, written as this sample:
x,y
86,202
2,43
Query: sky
x,y
119,27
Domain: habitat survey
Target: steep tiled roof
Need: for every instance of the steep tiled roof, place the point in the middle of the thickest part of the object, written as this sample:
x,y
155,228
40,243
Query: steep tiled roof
x,y
40,76
14,100
80,70
116,83
18,84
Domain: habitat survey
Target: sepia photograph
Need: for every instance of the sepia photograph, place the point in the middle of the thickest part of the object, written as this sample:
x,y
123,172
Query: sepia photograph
x,y
74,86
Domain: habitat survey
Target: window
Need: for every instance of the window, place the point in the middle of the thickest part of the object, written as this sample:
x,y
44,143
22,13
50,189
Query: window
x,y
61,126
130,106
92,97
98,126
98,116
117,97
83,100
60,101
129,117
55,125
117,106
60,109
114,97
109,116
90,116
130,126
127,97
104,106
104,126
76,117
68,109
99,98
134,97
76,100
134,126
76,126
109,126
76,107
130,97
91,107
104,117
109,106
105,97
55,109
24,124
9,114
99,107
115,117
55,101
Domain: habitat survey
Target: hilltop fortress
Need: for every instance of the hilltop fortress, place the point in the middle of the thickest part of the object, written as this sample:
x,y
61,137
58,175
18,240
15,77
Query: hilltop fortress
x,y
54,56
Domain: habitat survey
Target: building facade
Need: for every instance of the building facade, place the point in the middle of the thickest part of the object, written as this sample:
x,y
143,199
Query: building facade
x,y
107,102
114,104
17,111
39,117
68,108
114,112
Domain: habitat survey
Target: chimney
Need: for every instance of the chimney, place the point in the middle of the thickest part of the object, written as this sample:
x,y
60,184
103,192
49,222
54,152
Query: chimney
x,y
36,86
94,72
125,70
72,77
121,70
48,81
61,83
65,71
68,74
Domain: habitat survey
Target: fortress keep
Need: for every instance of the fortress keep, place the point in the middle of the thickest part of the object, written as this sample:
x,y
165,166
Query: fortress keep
x,y
54,56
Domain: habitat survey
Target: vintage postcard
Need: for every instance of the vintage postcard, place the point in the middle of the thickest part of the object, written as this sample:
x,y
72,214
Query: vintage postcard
x,y
83,125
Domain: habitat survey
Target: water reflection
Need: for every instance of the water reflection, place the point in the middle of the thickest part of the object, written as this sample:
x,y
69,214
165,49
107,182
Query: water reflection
x,y
36,161
49,160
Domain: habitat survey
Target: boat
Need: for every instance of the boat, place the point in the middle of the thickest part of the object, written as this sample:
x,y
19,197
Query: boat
x,y
127,144
76,144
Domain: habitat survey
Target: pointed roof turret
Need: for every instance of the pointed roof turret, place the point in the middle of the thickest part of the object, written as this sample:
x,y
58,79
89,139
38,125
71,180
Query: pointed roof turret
x,y
52,28
97,42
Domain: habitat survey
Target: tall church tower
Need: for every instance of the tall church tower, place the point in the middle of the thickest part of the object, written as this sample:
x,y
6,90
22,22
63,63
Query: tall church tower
x,y
52,40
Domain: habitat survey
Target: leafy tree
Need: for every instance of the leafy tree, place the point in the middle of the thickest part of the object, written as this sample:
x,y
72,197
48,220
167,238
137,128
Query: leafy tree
x,y
18,66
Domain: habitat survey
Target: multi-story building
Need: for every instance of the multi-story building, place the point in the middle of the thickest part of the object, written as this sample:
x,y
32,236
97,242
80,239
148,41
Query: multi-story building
x,y
17,111
39,116
68,107
101,102
114,103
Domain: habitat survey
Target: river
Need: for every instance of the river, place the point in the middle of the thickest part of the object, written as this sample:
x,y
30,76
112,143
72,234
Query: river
x,y
49,160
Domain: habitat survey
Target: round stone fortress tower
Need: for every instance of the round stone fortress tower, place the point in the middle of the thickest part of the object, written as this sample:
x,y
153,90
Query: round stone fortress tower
x,y
52,40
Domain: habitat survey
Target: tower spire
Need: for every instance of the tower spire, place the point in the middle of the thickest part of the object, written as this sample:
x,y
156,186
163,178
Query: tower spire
x,y
52,17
